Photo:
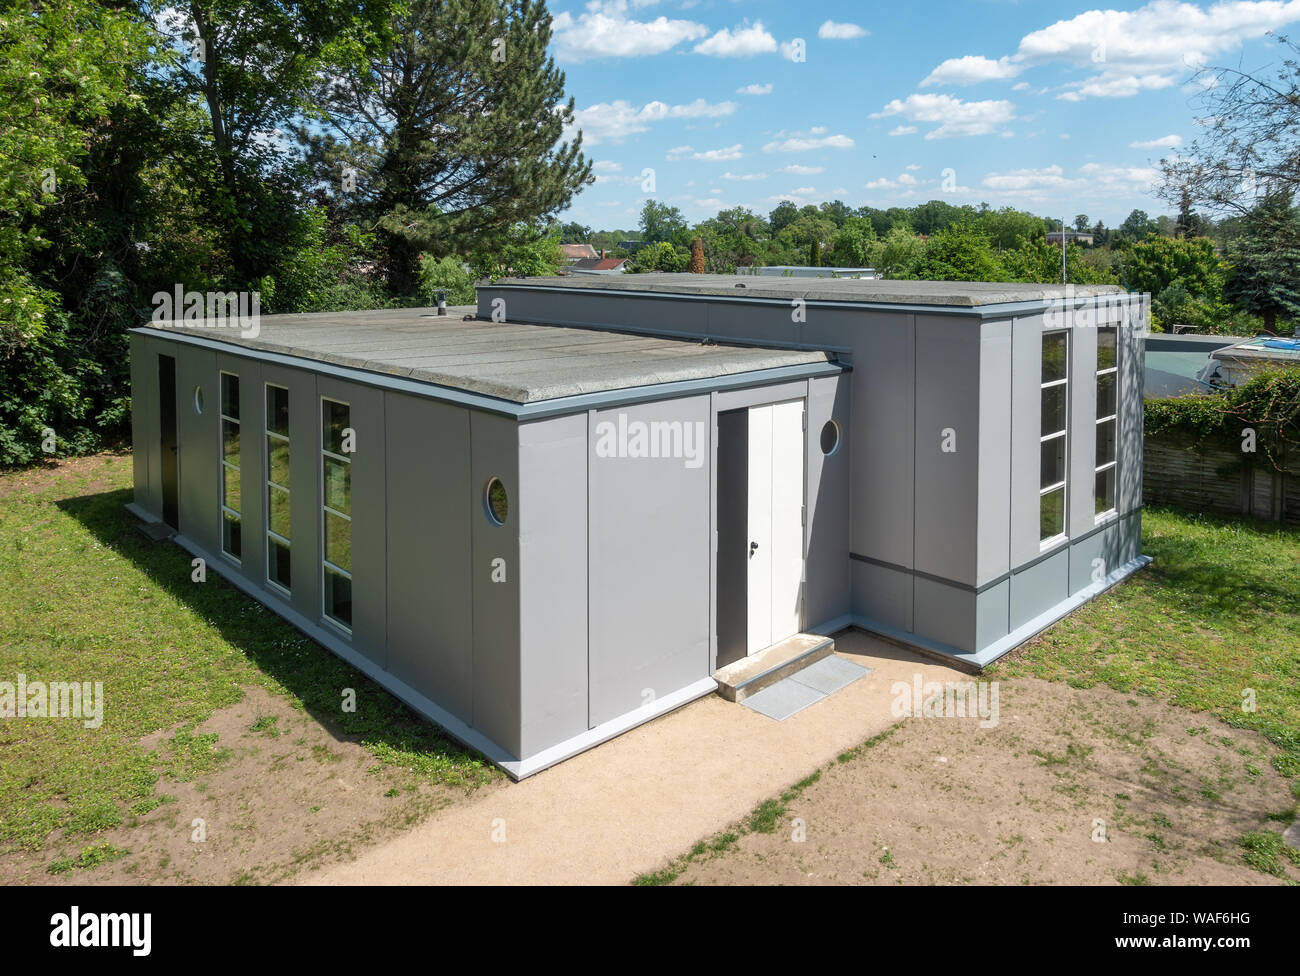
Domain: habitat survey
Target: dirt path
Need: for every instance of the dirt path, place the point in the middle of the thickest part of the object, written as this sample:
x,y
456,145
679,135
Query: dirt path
x,y
633,803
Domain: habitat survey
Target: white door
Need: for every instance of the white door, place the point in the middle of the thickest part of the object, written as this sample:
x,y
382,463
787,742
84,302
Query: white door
x,y
776,448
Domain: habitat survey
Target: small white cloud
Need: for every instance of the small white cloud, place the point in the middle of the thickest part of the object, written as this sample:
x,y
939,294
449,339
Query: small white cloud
x,y
604,30
743,42
708,155
617,120
1165,142
953,116
831,31
971,69
806,143
903,130
755,90
798,170
912,167
744,177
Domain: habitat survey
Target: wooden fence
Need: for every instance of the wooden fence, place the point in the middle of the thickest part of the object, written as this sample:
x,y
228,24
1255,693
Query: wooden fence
x,y
1213,479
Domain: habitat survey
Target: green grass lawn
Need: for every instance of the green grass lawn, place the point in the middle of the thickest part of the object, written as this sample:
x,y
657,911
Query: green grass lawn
x,y
1211,624
84,597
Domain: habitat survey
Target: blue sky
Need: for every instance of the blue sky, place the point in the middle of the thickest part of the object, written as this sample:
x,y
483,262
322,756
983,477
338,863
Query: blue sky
x,y
1053,107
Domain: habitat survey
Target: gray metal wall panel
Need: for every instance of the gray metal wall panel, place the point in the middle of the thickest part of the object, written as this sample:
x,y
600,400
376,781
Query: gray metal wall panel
x,y
198,438
430,599
994,511
882,594
1081,488
304,484
494,453
552,581
944,613
1133,345
252,473
828,592
947,398
369,512
650,551
992,614
1026,429
1040,587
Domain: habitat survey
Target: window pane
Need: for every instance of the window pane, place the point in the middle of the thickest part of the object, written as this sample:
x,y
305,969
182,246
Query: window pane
x,y
277,562
1052,468
1106,395
277,461
1053,409
338,541
230,487
1051,517
1106,348
338,485
278,506
1053,356
231,539
1105,498
334,420
277,410
230,395
1105,442
230,441
338,597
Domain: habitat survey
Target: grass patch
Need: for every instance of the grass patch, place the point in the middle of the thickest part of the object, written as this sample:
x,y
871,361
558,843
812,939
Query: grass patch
x,y
1263,850
90,857
1212,625
84,597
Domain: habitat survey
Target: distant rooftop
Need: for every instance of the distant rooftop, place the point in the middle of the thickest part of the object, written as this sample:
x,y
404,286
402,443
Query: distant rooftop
x,y
866,290
509,361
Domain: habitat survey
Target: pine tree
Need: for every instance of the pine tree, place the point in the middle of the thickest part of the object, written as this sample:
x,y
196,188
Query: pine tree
x,y
454,133
1265,276
815,253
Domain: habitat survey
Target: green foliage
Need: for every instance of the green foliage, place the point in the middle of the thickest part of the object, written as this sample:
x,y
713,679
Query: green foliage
x,y
447,274
1035,260
901,253
1154,264
960,253
855,244
525,251
1265,262
316,273
659,222
659,257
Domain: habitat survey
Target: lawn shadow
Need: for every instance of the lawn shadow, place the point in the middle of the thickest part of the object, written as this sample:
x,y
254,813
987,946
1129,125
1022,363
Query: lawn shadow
x,y
316,676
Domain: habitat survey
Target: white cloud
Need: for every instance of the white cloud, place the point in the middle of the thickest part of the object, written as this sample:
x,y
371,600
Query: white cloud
x,y
1097,182
604,30
719,155
1129,51
744,42
971,69
744,177
912,167
607,166
806,142
755,90
615,121
903,130
798,170
954,117
1165,142
884,183
839,32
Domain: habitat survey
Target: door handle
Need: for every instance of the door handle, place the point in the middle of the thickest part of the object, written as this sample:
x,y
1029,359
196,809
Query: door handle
x,y
753,546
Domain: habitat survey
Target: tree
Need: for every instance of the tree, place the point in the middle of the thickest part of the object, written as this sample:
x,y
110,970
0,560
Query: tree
x,y
1137,225
815,253
660,256
960,253
1265,262
1007,226
659,222
697,256
782,215
1156,263
901,253
452,133
525,251
854,244
1081,223
574,233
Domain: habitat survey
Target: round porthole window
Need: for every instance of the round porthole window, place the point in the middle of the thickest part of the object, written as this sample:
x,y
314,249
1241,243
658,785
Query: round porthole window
x,y
198,399
496,501
830,437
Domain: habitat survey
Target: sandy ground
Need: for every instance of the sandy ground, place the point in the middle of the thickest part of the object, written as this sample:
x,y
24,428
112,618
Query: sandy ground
x,y
1071,787
290,797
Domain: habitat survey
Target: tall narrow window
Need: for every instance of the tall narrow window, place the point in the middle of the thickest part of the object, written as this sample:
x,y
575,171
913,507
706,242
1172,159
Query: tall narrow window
x,y
1107,417
1054,394
277,487
231,536
336,515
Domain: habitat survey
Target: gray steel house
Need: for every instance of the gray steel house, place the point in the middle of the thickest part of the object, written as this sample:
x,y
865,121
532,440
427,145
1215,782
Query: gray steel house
x,y
553,521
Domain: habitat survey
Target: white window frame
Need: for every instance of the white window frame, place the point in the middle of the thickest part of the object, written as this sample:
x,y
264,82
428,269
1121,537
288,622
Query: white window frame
x,y
222,507
270,486
325,563
1111,512
1052,542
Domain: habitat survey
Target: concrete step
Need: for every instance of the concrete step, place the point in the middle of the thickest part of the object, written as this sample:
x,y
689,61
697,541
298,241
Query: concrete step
x,y
740,679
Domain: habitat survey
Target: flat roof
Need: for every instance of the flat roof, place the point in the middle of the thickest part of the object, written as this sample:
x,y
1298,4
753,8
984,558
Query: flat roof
x,y
968,294
509,361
